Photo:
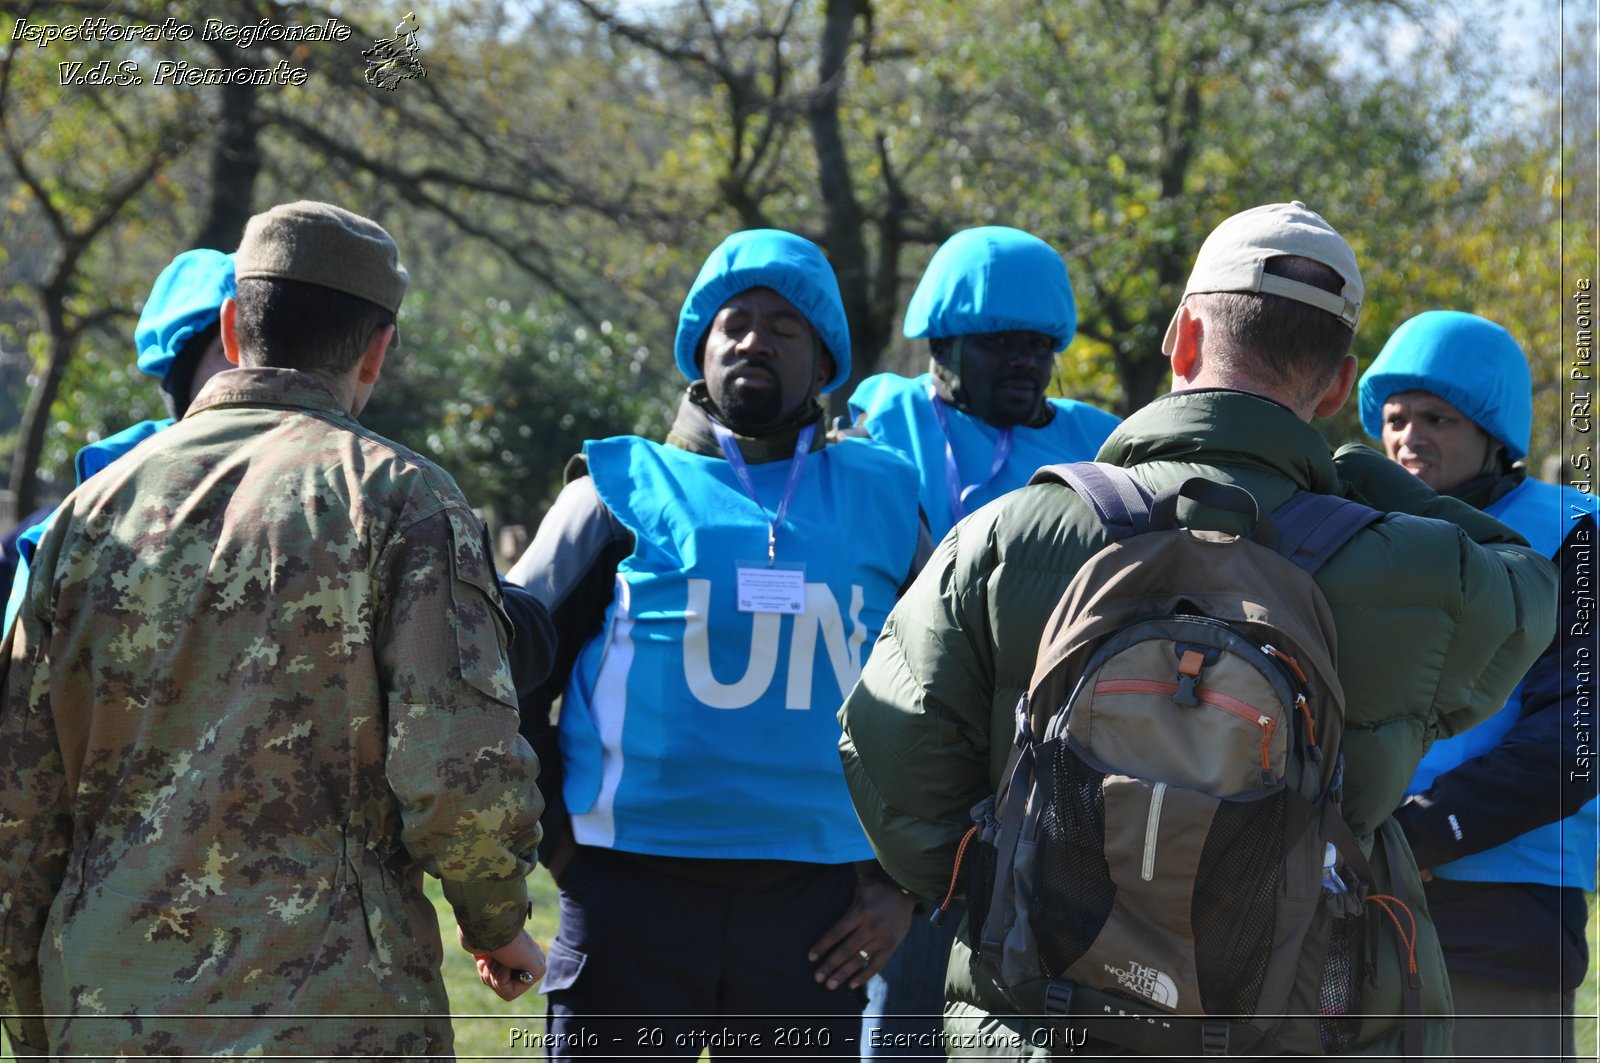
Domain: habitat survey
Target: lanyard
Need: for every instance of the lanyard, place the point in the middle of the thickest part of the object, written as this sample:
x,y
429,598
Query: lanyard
x,y
730,450
952,475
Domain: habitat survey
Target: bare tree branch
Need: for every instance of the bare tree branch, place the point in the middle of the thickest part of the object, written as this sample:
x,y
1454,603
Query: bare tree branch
x,y
649,41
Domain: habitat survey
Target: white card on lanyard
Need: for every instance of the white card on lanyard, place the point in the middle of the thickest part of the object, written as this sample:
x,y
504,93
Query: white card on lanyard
x,y
779,587
769,586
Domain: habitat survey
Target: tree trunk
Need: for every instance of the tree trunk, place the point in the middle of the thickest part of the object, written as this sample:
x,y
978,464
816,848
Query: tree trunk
x,y
844,223
235,162
36,417
1141,367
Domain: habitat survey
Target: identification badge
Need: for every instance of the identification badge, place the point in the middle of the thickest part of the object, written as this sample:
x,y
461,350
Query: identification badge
x,y
776,588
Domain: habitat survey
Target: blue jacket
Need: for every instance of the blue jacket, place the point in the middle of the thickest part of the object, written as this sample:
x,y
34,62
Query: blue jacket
x,y
1501,802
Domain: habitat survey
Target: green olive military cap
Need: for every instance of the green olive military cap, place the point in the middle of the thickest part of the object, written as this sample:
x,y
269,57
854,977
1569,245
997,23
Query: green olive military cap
x,y
319,243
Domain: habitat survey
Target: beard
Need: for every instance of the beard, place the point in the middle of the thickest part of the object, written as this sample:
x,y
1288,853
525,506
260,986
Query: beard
x,y
1012,401
750,411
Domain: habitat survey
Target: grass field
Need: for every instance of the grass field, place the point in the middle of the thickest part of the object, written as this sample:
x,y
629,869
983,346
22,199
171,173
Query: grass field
x,y
1589,993
484,1023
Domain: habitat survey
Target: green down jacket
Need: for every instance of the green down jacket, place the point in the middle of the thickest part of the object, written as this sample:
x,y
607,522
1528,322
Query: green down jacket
x,y
1437,620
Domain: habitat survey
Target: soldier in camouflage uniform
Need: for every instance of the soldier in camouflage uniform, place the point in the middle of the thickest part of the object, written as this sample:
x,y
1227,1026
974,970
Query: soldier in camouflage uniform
x,y
258,687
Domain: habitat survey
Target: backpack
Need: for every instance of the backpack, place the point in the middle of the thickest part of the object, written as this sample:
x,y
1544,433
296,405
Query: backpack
x,y
1165,865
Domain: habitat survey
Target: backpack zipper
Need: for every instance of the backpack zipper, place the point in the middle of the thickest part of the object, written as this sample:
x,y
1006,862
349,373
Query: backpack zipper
x,y
1217,699
1291,670
1151,829
1286,661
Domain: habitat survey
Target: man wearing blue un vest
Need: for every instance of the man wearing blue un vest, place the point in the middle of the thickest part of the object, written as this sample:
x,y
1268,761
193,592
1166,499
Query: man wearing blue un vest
x,y
1497,815
714,597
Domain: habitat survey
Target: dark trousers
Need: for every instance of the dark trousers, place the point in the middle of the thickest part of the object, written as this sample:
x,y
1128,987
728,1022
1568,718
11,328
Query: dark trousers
x,y
647,964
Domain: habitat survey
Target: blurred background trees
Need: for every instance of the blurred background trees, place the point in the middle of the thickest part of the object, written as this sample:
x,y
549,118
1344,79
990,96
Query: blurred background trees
x,y
565,165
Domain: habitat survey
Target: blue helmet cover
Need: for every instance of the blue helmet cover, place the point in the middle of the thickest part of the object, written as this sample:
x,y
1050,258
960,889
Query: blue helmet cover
x,y
1469,361
186,300
993,279
790,265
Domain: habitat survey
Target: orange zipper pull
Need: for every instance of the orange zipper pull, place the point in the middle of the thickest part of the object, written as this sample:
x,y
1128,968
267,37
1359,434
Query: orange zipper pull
x,y
1267,725
1311,726
955,877
1293,664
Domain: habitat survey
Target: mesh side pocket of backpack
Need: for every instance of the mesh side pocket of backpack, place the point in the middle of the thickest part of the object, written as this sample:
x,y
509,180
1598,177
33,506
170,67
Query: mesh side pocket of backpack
x,y
1073,891
1235,888
1339,999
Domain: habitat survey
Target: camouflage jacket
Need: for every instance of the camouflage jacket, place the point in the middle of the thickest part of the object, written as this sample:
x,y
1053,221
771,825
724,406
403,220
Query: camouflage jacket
x,y
257,688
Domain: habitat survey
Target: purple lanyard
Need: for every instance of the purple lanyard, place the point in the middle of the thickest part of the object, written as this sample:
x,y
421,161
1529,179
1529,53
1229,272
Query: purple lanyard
x,y
952,475
731,451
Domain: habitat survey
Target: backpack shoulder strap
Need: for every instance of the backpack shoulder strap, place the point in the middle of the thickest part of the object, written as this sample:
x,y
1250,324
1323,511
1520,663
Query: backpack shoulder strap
x,y
1120,502
1312,527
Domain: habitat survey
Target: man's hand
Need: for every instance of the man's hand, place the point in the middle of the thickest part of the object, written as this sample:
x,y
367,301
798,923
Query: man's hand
x,y
1370,477
858,945
512,969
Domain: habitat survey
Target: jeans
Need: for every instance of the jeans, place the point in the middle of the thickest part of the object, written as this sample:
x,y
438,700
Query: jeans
x,y
905,1004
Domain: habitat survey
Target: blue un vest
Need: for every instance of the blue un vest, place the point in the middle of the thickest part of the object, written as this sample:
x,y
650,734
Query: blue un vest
x,y
90,460
900,414
691,729
1556,854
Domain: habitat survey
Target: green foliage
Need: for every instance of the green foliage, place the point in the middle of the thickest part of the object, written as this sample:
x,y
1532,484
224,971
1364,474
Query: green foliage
x,y
1505,212
1124,132
102,393
580,157
502,398
94,178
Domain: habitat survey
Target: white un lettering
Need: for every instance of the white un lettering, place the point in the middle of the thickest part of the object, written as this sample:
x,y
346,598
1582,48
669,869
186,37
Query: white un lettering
x,y
822,614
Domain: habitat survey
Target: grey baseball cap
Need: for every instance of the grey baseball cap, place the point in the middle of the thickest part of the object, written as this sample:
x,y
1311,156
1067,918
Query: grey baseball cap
x,y
1234,259
319,243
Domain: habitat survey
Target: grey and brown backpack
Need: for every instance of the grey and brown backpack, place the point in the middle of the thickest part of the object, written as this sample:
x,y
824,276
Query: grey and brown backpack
x,y
1165,865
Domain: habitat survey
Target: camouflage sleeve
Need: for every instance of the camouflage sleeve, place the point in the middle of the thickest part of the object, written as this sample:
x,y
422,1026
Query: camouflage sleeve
x,y
464,777
35,823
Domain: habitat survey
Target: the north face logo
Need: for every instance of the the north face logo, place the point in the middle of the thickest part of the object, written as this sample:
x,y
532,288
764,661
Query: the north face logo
x,y
1147,982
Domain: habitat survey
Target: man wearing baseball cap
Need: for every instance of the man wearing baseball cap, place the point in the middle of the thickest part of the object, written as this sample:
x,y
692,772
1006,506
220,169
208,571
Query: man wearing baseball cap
x,y
1259,348
713,596
257,687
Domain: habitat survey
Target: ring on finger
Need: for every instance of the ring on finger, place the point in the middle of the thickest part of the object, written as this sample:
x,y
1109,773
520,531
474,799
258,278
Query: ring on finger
x,y
866,957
